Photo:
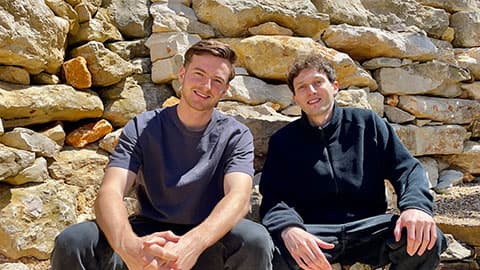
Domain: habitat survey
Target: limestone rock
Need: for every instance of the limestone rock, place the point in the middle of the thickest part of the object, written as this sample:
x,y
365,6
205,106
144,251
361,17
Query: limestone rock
x,y
79,167
448,179
382,62
76,73
392,100
13,266
468,160
391,14
13,160
363,43
45,78
451,111
350,12
376,101
66,11
259,55
83,13
455,250
166,70
171,101
106,67
431,169
13,74
262,120
101,28
32,36
469,59
1,127
40,212
433,78
142,65
29,140
451,6
467,28
396,115
110,141
55,133
130,49
253,91
270,28
36,173
131,17
21,106
233,18
88,133
169,16
356,98
472,90
429,140
166,45
124,101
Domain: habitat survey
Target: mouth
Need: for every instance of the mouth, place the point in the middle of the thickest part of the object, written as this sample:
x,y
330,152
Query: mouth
x,y
203,96
313,101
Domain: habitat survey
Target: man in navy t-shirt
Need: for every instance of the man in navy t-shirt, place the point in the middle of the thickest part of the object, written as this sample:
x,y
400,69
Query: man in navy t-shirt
x,y
192,170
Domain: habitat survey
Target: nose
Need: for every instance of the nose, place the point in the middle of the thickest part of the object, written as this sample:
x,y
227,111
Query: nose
x,y
207,83
312,89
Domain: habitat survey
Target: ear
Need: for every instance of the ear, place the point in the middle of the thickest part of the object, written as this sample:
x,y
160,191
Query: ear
x,y
181,74
335,85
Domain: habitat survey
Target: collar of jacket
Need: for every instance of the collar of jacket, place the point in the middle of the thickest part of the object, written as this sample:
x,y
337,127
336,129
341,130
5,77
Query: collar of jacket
x,y
327,131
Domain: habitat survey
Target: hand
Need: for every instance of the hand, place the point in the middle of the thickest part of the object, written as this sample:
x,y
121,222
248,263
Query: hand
x,y
187,250
305,249
421,231
136,256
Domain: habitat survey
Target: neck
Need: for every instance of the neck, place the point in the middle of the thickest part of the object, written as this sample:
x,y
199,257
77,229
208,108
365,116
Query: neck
x,y
321,119
192,119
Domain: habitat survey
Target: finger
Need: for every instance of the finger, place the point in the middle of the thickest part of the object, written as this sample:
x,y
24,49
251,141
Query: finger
x,y
397,232
324,245
433,237
411,236
425,240
169,235
160,252
310,254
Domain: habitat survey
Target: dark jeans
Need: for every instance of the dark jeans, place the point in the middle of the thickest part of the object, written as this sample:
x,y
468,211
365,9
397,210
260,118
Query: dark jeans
x,y
369,241
84,246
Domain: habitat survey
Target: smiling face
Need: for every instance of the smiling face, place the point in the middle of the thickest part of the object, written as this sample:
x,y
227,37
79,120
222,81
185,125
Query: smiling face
x,y
315,94
204,81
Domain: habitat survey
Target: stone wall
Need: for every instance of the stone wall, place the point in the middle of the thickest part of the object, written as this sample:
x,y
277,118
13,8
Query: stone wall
x,y
73,72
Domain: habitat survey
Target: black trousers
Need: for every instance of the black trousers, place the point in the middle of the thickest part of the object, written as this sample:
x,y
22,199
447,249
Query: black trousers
x,y
84,246
369,241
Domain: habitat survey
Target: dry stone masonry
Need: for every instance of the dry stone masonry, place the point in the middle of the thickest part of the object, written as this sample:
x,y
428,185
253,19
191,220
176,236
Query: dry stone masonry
x,y
74,72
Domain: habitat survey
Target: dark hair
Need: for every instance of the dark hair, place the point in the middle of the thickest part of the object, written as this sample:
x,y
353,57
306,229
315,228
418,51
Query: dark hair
x,y
215,48
312,61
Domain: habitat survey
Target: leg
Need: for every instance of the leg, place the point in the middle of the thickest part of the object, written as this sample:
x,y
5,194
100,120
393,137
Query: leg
x,y
83,246
247,246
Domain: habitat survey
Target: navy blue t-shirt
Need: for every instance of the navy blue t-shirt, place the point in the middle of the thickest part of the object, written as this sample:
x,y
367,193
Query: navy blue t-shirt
x,y
180,172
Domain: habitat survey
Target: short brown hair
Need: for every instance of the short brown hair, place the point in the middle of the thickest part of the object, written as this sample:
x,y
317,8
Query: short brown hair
x,y
312,61
215,48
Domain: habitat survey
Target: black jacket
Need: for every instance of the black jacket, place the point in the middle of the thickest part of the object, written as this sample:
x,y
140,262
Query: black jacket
x,y
335,174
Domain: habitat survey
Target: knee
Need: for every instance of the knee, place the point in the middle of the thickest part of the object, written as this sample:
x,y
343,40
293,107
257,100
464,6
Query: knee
x,y
76,237
258,239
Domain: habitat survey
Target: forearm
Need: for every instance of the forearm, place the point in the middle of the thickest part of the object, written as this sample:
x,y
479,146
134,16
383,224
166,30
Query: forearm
x,y
226,214
111,213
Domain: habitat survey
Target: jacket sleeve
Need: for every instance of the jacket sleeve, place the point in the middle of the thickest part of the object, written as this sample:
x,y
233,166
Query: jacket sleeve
x,y
276,214
404,171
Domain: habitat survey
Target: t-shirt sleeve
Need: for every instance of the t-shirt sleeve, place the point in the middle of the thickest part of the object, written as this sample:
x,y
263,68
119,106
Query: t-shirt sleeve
x,y
127,153
241,156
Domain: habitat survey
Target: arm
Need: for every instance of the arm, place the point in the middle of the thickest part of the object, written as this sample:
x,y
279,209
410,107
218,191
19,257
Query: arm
x,y
226,214
414,199
112,217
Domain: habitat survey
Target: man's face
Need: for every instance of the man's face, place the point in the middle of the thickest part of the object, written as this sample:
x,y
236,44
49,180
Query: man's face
x,y
204,81
314,93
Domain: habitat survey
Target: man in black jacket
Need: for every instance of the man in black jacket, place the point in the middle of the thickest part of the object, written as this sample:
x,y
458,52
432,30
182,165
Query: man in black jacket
x,y
323,185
